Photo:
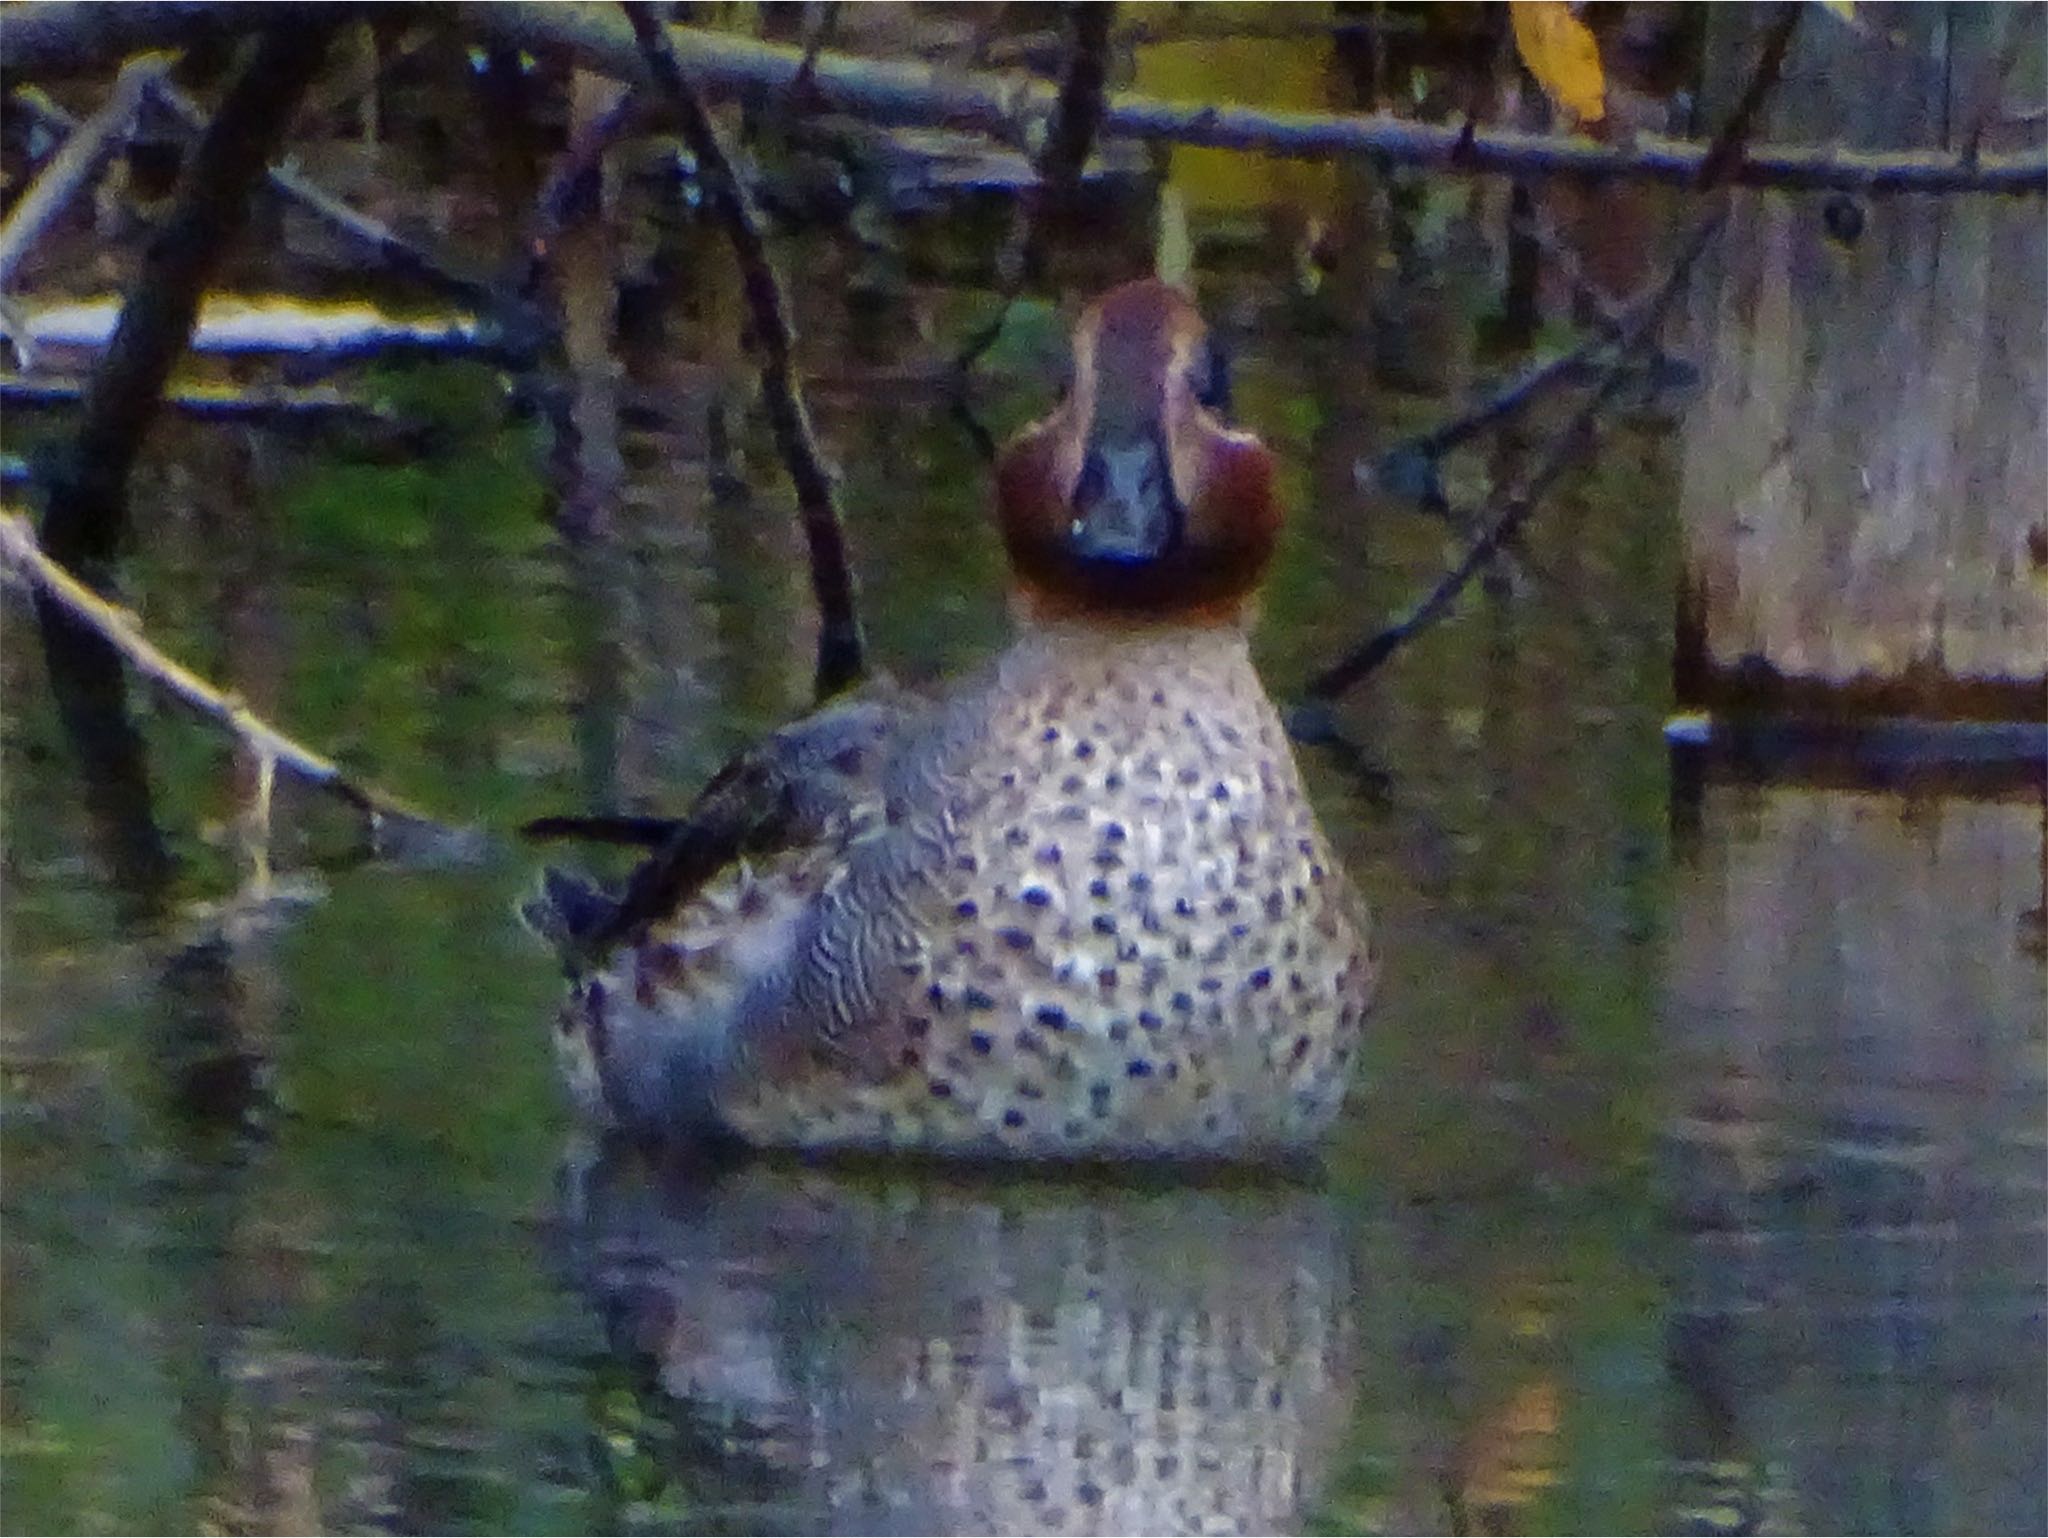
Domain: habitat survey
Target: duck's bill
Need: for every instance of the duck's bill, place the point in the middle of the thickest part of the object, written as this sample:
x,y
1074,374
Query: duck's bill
x,y
1125,510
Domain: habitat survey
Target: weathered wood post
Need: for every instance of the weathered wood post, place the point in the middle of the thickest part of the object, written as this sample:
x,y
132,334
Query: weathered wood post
x,y
1865,491
1854,974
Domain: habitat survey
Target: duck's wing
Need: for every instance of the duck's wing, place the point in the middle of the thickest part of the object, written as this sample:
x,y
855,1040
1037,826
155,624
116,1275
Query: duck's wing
x,y
780,794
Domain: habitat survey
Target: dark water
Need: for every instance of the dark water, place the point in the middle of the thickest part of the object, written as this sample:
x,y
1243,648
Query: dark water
x,y
1694,1180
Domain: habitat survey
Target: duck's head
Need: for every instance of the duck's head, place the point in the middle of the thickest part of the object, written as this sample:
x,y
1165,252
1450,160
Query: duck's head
x,y
1134,500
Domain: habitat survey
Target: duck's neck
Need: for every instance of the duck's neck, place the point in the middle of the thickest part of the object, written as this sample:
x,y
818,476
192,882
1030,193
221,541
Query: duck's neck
x,y
1034,610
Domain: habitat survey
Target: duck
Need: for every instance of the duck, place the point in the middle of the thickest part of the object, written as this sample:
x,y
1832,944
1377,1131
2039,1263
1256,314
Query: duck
x,y
1076,907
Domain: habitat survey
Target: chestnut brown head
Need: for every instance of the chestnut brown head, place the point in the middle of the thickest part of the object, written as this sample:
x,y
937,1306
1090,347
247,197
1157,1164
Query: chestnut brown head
x,y
1134,499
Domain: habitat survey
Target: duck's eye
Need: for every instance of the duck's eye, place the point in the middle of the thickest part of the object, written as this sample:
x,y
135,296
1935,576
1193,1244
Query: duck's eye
x,y
1212,379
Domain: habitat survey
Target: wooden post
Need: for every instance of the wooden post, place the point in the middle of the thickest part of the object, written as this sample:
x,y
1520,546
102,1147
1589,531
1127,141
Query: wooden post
x,y
1865,490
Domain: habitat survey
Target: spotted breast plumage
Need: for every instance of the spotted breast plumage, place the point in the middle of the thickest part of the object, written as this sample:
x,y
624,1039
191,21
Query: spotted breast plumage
x,y
1078,907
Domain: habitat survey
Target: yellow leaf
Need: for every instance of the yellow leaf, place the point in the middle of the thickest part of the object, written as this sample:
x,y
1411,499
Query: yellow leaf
x,y
1563,56
1846,9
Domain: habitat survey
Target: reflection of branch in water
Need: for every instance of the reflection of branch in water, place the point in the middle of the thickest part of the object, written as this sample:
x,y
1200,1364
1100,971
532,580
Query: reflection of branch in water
x,y
92,704
841,660
118,630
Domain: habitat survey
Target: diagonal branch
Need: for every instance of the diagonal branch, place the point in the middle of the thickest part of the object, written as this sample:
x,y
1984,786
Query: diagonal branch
x,y
51,582
840,648
1722,164
398,254
81,157
1561,455
86,517
516,325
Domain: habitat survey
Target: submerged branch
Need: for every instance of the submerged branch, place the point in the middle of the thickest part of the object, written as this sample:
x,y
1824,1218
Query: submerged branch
x,y
840,659
49,580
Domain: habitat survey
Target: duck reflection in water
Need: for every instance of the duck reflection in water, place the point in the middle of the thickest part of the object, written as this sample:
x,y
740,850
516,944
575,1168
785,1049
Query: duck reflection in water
x,y
845,1352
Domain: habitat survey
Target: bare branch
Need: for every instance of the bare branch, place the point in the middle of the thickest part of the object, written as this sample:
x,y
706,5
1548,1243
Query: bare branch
x,y
1011,106
61,34
18,548
77,162
1645,316
85,516
1562,453
840,661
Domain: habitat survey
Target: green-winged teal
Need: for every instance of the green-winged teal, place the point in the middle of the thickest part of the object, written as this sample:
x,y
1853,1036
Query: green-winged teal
x,y
1078,907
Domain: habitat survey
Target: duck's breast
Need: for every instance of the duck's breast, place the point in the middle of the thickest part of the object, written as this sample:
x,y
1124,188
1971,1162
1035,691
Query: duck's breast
x,y
1100,917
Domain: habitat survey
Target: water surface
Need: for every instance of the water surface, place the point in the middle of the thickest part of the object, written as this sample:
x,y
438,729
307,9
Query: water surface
x,y
1693,1181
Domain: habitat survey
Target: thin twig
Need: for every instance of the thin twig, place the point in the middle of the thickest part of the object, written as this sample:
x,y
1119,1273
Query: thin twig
x,y
1507,400
1613,322
22,554
1068,140
1723,162
1563,452
840,659
75,164
821,20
